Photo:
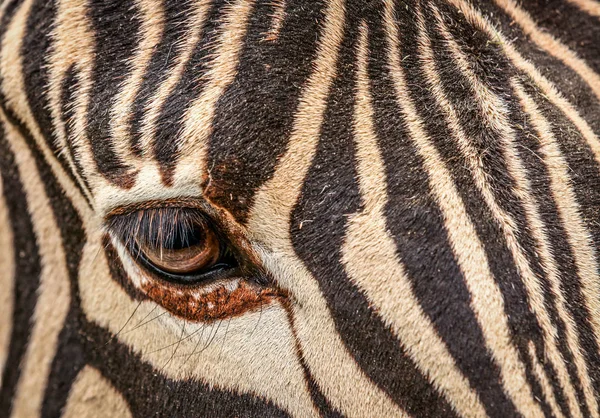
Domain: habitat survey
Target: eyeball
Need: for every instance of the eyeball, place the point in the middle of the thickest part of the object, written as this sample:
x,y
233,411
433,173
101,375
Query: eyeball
x,y
191,265
187,248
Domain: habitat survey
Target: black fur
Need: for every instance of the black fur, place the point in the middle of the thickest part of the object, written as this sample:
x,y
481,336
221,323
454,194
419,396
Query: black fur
x,y
115,25
271,74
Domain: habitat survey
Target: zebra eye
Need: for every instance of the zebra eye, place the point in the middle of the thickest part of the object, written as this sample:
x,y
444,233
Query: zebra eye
x,y
188,248
177,244
192,265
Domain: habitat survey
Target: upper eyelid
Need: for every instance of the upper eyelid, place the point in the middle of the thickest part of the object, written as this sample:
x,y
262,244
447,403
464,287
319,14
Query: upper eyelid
x,y
156,225
182,203
219,219
173,206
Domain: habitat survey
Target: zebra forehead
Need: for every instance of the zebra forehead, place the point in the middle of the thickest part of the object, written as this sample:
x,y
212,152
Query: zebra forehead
x,y
181,97
196,98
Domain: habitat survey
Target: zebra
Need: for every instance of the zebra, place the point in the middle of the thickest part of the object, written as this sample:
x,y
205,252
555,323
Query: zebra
x,y
338,208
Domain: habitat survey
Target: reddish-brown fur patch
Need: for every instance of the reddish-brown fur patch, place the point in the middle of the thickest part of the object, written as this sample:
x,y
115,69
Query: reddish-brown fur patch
x,y
218,304
125,180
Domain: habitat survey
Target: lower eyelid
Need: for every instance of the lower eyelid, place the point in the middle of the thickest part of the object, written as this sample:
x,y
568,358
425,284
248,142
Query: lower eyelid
x,y
224,301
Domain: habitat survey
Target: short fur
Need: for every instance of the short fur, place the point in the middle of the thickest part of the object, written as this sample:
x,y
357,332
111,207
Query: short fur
x,y
406,194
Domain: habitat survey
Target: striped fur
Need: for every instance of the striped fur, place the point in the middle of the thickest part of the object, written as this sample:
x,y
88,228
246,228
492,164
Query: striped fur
x,y
416,185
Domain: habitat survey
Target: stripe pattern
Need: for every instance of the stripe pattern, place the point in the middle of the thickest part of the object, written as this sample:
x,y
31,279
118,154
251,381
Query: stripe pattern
x,y
420,179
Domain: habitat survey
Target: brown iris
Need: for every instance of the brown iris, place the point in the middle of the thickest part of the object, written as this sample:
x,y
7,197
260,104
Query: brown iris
x,y
187,249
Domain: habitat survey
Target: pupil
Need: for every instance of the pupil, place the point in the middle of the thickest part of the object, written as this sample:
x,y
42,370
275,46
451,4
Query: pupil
x,y
184,236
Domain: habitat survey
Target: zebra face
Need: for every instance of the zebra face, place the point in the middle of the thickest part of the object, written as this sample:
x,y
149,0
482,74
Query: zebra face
x,y
291,208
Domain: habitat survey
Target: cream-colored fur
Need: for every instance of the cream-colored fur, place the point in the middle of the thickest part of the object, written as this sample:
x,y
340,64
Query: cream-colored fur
x,y
94,397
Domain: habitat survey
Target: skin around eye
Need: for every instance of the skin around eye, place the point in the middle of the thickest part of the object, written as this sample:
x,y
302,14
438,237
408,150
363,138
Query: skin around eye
x,y
198,249
189,264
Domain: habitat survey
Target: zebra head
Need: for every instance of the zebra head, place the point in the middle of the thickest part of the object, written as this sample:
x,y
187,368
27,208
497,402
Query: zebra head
x,y
290,208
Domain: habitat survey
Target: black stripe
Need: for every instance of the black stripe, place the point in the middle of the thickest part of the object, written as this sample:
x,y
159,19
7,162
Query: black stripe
x,y
115,26
318,398
415,221
117,271
254,117
68,361
330,193
570,84
34,50
68,95
177,24
27,260
569,24
27,270
193,81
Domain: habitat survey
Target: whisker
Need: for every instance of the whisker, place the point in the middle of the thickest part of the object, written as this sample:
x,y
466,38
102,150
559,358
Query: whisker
x,y
187,337
177,347
146,316
195,347
211,338
124,325
223,341
142,324
257,322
